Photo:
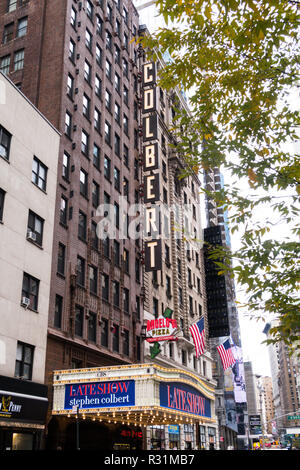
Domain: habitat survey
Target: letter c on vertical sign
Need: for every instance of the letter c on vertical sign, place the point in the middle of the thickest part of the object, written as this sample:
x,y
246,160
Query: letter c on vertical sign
x,y
149,75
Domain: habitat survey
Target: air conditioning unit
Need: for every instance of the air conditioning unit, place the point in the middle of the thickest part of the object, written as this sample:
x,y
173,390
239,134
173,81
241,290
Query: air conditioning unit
x,y
31,236
25,302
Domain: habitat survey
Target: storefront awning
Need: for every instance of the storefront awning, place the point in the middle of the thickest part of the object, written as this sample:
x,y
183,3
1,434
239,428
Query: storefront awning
x,y
138,394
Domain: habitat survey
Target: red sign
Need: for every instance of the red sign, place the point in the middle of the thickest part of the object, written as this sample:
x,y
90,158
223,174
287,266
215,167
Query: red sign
x,y
161,329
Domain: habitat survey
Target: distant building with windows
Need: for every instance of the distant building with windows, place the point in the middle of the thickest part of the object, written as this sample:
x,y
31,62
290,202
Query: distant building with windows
x,y
28,171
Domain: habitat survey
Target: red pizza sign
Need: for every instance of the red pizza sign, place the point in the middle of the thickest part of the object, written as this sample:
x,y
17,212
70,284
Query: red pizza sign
x,y
161,329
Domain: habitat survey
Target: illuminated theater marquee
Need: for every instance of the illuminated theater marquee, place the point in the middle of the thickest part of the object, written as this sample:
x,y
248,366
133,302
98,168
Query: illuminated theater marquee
x,y
150,164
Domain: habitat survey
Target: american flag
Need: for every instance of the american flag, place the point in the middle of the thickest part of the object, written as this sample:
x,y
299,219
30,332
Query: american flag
x,y
226,354
198,334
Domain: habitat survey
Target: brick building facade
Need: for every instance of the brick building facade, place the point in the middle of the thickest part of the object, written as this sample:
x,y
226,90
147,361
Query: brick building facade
x,y
76,63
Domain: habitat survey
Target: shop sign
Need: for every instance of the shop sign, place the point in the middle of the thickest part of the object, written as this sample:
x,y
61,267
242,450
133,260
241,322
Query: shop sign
x,y
132,433
8,407
100,394
173,429
255,424
182,397
161,329
151,180
25,408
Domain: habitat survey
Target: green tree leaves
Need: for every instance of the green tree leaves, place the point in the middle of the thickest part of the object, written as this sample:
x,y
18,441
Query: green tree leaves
x,y
241,59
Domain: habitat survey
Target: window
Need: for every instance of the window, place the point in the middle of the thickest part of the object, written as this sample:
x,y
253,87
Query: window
x,y
98,55
125,41
11,5
117,83
155,307
70,86
92,327
109,12
138,307
105,287
117,178
72,50
58,311
98,86
78,321
87,72
104,332
5,139
125,67
30,290
117,113
108,69
2,196
97,120
116,253
108,40
116,293
61,256
19,60
96,156
116,343
5,64
80,271
83,183
68,124
24,361
93,279
39,174
95,194
66,166
84,142
117,215
89,9
180,294
125,95
106,247
125,15
22,27
108,100
126,343
126,260
82,226
94,236
126,187
125,124
86,106
137,270
126,300
118,27
107,167
35,227
126,155
99,28
107,132
117,55
73,17
183,356
8,33
168,286
88,39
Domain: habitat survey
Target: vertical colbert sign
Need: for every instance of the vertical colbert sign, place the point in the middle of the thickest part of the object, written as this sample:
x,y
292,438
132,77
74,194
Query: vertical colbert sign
x,y
150,163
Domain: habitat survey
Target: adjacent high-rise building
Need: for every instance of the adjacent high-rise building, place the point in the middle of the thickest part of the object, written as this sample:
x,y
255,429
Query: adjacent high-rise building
x,y
284,371
76,62
29,147
223,316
